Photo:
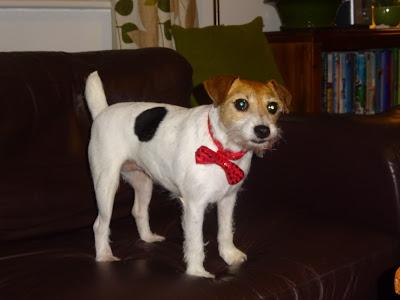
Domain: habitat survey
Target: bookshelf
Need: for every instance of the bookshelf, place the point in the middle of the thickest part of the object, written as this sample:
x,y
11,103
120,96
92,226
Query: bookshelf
x,y
298,55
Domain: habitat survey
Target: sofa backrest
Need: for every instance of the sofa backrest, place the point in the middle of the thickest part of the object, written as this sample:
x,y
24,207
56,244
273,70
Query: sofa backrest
x,y
338,166
45,183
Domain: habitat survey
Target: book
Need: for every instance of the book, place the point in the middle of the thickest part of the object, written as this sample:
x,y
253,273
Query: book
x,y
397,100
394,74
324,64
348,82
386,80
338,84
342,83
335,79
378,80
360,83
370,82
329,83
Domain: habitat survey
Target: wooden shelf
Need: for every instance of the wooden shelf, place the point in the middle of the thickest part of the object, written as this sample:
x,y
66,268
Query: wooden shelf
x,y
298,55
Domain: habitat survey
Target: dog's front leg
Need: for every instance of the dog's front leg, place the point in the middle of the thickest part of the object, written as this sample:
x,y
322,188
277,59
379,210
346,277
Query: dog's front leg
x,y
227,249
192,223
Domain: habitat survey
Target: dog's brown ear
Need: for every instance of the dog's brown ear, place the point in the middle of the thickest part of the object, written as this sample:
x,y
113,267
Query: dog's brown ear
x,y
282,92
218,87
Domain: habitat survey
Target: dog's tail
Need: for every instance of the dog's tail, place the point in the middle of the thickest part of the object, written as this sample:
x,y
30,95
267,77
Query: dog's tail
x,y
94,93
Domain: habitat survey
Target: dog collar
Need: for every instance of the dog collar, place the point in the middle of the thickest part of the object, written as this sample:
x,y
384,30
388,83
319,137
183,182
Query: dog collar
x,y
222,158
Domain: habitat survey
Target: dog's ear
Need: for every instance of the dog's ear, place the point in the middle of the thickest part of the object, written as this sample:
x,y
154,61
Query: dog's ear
x,y
218,87
282,92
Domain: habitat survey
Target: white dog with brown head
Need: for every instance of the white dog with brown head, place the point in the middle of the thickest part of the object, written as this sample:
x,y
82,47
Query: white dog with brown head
x,y
201,155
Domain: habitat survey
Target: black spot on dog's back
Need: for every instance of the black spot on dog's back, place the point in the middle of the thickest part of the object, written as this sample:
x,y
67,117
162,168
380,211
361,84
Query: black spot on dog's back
x,y
147,122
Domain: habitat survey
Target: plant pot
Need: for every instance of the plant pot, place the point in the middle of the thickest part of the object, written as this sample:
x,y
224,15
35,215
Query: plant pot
x,y
387,15
307,13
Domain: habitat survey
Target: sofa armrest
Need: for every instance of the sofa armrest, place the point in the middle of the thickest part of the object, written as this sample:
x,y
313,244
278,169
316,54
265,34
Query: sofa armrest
x,y
338,166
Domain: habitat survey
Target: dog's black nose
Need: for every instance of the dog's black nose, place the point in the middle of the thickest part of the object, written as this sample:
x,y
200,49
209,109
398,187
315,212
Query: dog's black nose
x,y
261,131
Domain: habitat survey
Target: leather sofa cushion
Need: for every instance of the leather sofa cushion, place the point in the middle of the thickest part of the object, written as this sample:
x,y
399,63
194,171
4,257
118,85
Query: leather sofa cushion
x,y
292,254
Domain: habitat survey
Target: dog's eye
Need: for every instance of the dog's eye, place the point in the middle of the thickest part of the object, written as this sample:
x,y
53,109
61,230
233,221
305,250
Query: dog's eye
x,y
241,104
272,107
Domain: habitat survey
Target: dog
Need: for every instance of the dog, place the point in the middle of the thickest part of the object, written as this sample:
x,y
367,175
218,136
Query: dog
x,y
201,155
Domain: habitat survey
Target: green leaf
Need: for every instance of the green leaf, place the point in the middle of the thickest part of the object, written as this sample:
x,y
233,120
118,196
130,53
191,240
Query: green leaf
x,y
125,29
124,7
164,5
167,30
150,2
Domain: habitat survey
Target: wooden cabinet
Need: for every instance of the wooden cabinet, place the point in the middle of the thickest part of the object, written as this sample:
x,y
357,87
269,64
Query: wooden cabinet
x,y
298,55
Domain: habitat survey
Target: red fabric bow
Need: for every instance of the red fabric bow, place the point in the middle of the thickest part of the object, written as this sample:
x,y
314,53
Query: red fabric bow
x,y
222,158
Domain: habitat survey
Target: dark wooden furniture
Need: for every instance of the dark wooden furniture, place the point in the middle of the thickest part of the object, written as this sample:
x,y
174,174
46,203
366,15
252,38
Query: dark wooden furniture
x,y
298,55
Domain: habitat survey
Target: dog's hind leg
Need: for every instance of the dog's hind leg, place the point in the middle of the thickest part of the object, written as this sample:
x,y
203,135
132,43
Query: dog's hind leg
x,y
106,182
143,186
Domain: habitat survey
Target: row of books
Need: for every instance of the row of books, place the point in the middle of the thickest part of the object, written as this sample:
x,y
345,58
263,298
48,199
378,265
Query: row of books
x,y
365,82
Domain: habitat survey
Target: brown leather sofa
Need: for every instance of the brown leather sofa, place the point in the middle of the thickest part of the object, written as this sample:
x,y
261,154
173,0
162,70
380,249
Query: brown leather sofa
x,y
319,217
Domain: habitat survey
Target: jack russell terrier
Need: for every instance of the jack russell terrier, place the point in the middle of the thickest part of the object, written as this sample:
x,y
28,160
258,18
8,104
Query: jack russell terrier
x,y
190,152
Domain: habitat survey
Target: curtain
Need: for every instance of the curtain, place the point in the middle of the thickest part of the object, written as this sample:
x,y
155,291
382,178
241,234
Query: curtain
x,y
147,23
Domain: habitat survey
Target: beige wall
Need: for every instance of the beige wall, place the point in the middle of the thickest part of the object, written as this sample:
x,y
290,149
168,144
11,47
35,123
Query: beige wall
x,y
68,25
85,25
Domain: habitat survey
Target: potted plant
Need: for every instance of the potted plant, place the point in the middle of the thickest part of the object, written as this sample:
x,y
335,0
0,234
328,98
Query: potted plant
x,y
386,12
306,13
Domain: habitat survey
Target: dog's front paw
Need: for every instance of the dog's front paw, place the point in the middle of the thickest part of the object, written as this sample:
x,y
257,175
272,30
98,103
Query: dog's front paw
x,y
233,256
104,254
106,258
199,272
152,238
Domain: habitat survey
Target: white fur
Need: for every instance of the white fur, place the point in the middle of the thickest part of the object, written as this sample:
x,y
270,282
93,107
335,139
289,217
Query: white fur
x,y
169,160
95,94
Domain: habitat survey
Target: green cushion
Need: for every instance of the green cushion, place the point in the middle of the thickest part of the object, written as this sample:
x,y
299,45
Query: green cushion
x,y
234,49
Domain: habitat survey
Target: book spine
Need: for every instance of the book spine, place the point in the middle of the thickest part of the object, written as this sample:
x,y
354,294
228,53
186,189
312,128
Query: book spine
x,y
386,80
397,100
334,81
324,82
378,83
348,82
360,83
342,101
338,83
370,82
329,84
394,68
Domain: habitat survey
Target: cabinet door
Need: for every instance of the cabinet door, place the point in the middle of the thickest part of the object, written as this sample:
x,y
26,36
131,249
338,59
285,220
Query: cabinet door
x,y
300,68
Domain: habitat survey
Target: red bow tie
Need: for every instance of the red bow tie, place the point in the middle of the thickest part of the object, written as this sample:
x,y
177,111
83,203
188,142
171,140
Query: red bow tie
x,y
222,158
